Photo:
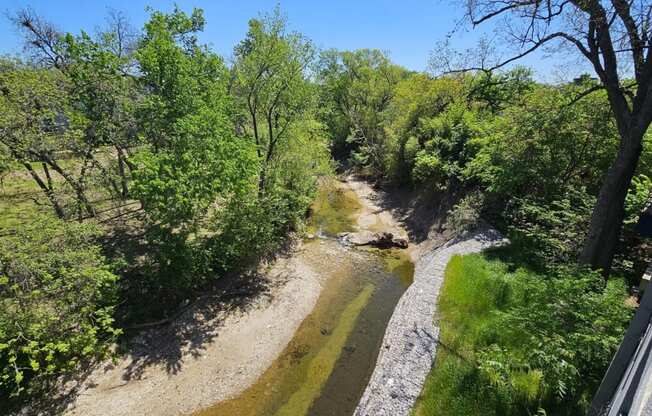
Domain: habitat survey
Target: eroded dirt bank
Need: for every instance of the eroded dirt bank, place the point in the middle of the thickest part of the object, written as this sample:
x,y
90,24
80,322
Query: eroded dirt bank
x,y
210,353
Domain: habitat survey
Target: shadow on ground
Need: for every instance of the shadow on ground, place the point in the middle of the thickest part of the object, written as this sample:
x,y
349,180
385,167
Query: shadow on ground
x,y
168,344
194,328
421,212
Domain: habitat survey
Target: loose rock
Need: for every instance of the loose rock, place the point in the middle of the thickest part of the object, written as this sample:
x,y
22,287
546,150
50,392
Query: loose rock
x,y
411,336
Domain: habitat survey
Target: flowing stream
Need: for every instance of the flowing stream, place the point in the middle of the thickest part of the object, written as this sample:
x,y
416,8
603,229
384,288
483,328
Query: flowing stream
x,y
326,366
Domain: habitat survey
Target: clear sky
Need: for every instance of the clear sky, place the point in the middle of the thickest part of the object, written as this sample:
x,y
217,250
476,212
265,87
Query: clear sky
x,y
407,29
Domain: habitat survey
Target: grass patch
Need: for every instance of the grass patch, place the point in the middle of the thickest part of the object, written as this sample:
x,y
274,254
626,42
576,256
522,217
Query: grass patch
x,y
20,201
468,297
516,342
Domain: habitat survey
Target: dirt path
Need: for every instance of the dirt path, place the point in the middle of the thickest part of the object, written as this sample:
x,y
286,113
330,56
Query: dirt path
x,y
210,354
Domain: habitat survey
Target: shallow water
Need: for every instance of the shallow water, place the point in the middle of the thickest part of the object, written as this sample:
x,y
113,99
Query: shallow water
x,y
326,366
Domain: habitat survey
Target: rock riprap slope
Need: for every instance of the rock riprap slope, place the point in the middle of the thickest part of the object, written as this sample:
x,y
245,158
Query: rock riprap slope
x,y
410,341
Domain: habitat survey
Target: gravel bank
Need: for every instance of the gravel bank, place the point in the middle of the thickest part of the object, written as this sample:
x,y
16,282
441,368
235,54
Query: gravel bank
x,y
410,341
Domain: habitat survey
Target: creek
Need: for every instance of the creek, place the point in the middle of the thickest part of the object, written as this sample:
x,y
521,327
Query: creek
x,y
326,366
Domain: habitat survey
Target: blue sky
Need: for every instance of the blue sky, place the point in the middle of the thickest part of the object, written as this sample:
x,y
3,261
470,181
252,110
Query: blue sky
x,y
407,29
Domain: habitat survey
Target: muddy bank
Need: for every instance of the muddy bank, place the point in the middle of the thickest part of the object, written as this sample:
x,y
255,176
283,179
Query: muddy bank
x,y
236,349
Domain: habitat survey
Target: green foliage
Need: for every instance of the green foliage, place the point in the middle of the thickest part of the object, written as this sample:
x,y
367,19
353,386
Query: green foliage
x,y
40,124
99,89
638,198
428,168
193,155
246,230
465,215
516,342
567,327
497,91
106,99
254,225
226,161
276,102
57,294
34,112
415,100
446,138
553,231
271,87
356,88
545,145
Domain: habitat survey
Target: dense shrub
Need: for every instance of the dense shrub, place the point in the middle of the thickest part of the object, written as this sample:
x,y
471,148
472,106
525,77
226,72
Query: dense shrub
x,y
544,145
57,294
552,231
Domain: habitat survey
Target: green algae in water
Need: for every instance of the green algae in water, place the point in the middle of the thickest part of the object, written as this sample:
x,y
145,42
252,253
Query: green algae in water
x,y
334,209
322,365
398,262
291,383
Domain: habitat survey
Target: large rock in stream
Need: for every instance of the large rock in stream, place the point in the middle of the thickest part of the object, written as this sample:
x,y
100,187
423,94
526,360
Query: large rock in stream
x,y
367,238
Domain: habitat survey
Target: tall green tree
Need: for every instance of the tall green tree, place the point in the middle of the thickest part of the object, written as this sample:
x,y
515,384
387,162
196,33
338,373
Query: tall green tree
x,y
613,36
271,84
360,84
193,155
99,88
106,96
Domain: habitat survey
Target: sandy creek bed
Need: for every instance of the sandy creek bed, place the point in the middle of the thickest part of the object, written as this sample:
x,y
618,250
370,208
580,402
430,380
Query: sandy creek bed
x,y
308,346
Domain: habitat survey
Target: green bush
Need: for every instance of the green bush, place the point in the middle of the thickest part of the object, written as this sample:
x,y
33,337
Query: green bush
x,y
57,294
244,230
551,231
427,168
638,198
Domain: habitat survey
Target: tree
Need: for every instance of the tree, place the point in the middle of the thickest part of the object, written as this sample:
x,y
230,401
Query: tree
x,y
192,155
43,41
37,125
98,86
271,83
359,85
612,35
106,96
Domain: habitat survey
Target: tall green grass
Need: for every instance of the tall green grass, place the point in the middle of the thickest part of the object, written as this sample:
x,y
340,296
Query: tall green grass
x,y
469,295
506,332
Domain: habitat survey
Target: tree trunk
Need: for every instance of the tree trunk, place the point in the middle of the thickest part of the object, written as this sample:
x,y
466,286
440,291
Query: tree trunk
x,y
47,190
105,174
121,170
79,189
262,181
609,212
